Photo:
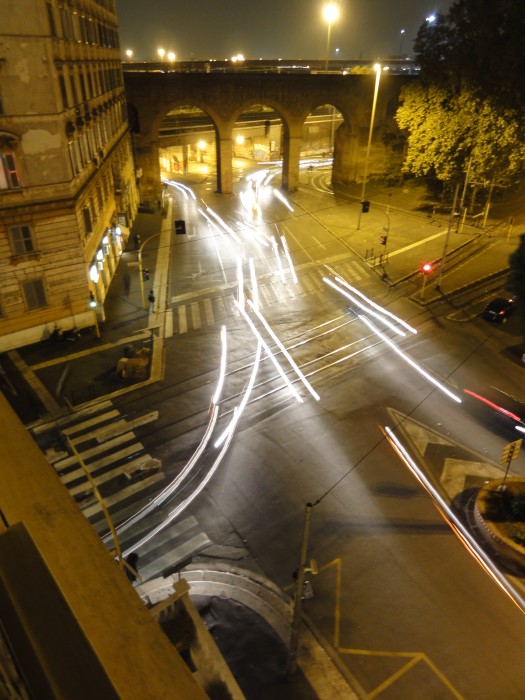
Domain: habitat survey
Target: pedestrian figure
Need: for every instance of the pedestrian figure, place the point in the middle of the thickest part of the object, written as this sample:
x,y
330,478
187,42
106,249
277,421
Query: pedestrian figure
x,y
127,283
151,300
136,238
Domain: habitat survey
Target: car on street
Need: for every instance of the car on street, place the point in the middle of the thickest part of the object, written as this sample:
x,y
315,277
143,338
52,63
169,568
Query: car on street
x,y
499,309
497,409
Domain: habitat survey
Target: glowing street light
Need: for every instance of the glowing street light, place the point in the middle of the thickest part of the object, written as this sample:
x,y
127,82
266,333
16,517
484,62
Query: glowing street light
x,y
331,14
129,54
402,31
171,56
161,53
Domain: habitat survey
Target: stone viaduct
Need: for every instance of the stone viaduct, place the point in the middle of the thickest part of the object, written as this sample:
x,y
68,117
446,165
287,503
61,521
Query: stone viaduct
x,y
224,96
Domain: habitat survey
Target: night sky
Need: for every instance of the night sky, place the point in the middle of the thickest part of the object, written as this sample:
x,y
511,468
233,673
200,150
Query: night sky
x,y
204,29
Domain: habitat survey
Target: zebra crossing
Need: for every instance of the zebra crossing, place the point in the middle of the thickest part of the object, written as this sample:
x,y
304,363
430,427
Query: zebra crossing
x,y
100,440
210,310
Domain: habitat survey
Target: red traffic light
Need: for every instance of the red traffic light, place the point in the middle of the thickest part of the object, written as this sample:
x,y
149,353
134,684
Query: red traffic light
x,y
427,267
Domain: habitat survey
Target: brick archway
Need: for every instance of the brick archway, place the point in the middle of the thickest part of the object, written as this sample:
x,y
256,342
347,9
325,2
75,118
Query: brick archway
x,y
224,97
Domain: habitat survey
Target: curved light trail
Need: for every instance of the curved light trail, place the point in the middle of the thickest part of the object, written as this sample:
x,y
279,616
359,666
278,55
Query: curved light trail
x,y
454,521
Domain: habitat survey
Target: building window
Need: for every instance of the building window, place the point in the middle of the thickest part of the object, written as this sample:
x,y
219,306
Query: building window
x,y
34,294
9,179
74,155
87,220
21,239
51,18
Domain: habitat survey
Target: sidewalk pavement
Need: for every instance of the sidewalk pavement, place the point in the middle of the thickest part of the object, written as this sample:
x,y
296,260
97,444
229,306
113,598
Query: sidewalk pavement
x,y
46,380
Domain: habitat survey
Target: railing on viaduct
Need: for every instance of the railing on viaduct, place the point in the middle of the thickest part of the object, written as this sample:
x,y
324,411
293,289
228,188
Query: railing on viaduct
x,y
224,96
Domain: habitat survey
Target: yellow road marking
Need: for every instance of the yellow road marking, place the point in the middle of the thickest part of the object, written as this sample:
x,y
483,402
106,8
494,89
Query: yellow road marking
x,y
413,657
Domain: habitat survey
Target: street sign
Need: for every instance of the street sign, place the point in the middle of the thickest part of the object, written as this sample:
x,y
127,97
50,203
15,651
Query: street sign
x,y
510,451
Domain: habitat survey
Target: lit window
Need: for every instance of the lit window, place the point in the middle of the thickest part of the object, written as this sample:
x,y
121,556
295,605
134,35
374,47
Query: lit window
x,y
21,240
9,179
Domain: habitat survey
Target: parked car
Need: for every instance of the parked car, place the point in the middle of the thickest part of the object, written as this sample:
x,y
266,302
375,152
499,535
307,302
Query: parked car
x,y
499,309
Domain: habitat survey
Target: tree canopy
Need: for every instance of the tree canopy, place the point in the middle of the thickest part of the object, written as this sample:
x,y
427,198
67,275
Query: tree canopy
x,y
467,113
478,45
449,134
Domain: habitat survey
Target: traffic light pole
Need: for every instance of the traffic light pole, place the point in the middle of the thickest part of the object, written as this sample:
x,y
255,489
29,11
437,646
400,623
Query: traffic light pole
x,y
445,247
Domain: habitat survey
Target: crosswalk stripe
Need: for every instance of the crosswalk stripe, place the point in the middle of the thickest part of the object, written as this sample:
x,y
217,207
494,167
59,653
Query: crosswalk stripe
x,y
183,323
221,309
208,312
311,281
263,292
124,493
173,530
89,410
95,467
195,315
170,560
84,425
168,324
110,444
119,427
230,303
98,480
121,470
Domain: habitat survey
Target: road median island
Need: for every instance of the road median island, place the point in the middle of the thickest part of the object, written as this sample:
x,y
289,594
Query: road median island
x,y
499,512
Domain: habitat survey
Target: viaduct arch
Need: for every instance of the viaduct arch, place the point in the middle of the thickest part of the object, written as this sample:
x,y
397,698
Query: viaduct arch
x,y
224,96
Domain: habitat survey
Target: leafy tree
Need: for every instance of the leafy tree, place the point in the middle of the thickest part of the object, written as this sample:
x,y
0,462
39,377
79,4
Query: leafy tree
x,y
477,46
452,133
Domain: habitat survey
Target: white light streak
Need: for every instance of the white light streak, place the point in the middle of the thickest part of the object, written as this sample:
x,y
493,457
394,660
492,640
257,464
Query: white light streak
x,y
255,288
182,506
289,259
240,282
278,258
284,351
363,307
376,306
224,225
455,522
283,199
410,361
240,408
182,188
269,352
222,370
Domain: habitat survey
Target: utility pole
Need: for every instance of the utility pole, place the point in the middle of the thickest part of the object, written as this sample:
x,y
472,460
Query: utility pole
x,y
298,596
450,221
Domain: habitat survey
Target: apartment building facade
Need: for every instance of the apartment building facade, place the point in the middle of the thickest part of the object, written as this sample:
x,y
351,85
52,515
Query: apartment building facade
x,y
68,185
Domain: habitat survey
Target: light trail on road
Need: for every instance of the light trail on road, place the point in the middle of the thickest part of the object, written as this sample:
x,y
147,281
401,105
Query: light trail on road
x,y
463,534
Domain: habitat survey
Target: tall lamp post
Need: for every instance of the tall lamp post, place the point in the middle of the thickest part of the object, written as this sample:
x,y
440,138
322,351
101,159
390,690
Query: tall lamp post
x,y
378,68
331,14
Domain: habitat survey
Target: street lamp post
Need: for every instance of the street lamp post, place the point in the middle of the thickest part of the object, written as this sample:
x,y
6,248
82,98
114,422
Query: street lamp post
x,y
161,53
378,70
93,306
331,14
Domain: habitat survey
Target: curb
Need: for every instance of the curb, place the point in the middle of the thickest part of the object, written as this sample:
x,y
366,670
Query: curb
x,y
316,659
